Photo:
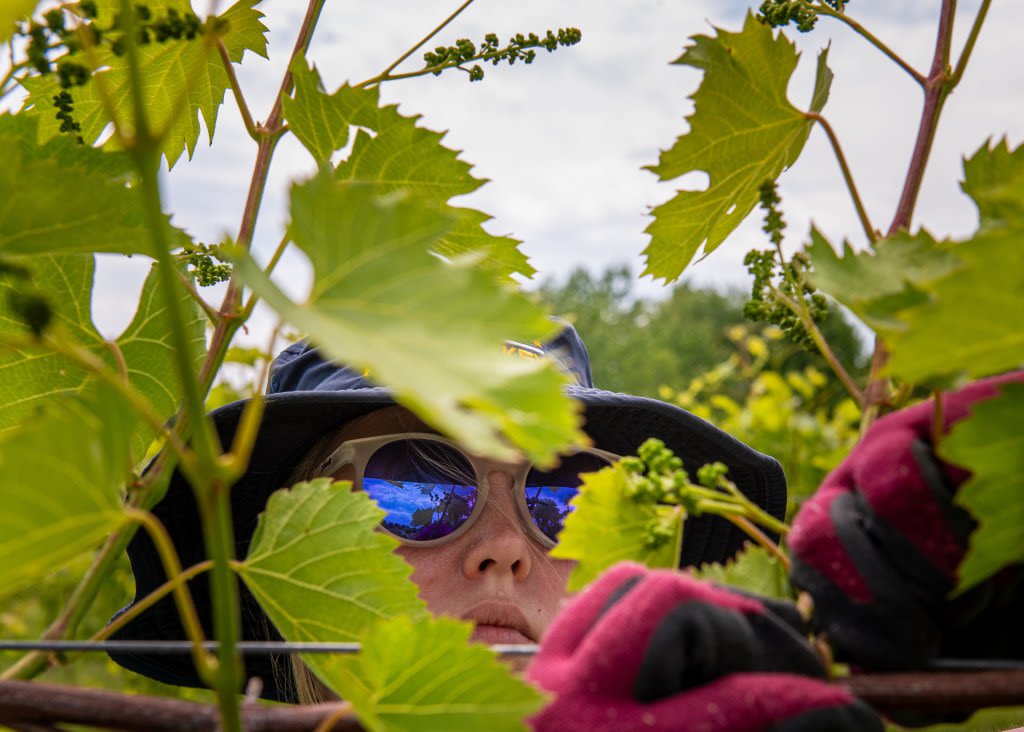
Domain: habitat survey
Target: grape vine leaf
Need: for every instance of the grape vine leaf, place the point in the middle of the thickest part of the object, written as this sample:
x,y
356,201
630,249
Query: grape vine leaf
x,y
875,285
606,526
11,11
319,567
423,676
183,80
60,481
63,197
743,132
990,443
753,570
398,155
34,376
967,322
432,331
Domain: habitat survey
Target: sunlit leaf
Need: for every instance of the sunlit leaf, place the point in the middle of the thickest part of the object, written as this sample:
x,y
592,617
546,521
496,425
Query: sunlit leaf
x,y
63,197
319,567
753,570
61,476
423,676
12,11
183,80
607,527
990,442
874,285
431,331
743,132
969,322
398,155
36,375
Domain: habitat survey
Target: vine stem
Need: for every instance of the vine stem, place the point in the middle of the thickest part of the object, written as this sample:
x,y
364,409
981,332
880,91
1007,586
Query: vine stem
x,y
762,540
182,598
867,35
972,38
936,89
236,89
151,599
444,23
862,214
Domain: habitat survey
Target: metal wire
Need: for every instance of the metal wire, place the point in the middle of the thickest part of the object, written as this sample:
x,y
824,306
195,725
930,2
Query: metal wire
x,y
249,647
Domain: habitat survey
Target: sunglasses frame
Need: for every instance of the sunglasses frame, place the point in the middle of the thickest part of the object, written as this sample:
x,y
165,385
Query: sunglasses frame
x,y
357,453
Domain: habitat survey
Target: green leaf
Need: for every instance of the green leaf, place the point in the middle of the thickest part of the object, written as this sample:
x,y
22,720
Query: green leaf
x,y
63,197
990,443
607,526
12,11
431,331
875,285
743,132
399,155
753,570
967,324
423,676
319,567
182,80
320,123
61,476
35,376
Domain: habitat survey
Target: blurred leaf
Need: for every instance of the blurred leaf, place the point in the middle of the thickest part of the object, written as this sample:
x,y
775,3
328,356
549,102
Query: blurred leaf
x,y
876,284
743,132
990,443
38,375
753,570
320,568
431,331
606,527
183,80
63,197
398,155
61,476
12,11
422,675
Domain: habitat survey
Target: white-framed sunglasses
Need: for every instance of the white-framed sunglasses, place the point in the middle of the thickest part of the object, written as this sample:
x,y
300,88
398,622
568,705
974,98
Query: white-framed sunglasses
x,y
432,490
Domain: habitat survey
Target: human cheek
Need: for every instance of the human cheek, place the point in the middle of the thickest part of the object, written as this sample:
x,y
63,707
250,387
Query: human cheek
x,y
434,571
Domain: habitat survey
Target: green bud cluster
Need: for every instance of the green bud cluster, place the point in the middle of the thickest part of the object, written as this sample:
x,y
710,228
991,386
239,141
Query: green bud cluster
x,y
709,475
774,278
519,48
802,13
200,259
65,113
656,475
659,531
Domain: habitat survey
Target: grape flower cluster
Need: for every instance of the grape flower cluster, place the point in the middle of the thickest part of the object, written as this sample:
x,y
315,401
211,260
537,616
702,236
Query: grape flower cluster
x,y
200,259
802,13
520,47
780,288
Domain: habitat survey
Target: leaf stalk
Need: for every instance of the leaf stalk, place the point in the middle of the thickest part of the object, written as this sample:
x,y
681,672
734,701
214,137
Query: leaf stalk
x,y
862,214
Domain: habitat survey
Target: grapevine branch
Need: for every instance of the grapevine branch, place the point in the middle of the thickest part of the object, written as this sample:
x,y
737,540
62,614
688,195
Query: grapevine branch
x,y
384,75
823,9
236,89
862,213
965,56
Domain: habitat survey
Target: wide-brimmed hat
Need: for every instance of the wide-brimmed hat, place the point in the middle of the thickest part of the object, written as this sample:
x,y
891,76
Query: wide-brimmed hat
x,y
309,397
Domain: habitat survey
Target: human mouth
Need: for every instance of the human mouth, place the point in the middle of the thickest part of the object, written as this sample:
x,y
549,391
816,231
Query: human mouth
x,y
498,623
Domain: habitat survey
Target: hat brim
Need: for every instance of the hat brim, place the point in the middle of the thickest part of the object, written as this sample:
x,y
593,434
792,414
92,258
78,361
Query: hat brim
x,y
294,421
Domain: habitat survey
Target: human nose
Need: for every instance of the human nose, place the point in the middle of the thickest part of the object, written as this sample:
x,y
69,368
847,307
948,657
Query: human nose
x,y
498,546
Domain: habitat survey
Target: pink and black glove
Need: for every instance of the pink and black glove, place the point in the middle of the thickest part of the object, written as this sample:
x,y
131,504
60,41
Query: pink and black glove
x,y
878,545
651,649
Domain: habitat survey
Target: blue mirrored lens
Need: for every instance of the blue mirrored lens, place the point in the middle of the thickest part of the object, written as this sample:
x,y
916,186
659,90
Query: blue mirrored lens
x,y
426,488
548,492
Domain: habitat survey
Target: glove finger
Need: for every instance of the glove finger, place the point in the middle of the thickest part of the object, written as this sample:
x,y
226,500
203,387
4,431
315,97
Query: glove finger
x,y
698,642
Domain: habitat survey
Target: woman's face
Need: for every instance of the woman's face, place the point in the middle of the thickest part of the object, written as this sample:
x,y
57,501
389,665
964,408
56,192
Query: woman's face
x,y
495,574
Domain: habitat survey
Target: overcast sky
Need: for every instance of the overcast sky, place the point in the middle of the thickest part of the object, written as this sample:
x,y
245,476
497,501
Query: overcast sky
x,y
563,141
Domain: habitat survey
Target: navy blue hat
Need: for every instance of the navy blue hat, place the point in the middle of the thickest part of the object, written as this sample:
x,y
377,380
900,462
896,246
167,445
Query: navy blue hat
x,y
309,397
